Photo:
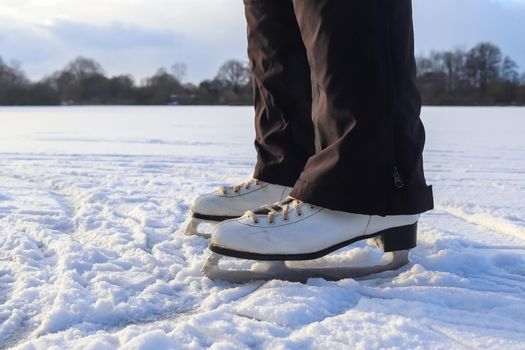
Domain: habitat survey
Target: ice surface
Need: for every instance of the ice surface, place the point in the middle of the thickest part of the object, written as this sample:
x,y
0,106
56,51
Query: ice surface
x,y
92,254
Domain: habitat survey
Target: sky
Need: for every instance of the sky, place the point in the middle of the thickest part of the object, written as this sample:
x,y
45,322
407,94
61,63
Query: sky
x,y
140,36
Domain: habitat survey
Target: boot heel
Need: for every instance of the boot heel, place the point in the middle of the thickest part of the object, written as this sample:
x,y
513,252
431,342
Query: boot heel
x,y
399,238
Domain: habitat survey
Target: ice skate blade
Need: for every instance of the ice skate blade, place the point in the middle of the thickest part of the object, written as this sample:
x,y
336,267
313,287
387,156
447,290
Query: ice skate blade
x,y
193,224
279,270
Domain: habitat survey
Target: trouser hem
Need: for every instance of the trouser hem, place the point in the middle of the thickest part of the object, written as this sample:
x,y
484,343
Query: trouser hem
x,y
373,202
283,178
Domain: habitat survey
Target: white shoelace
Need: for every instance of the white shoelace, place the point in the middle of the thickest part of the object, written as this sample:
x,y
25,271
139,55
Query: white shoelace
x,y
237,188
282,207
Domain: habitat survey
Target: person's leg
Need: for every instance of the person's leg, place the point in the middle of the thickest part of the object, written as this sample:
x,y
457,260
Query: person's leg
x,y
283,116
282,91
367,116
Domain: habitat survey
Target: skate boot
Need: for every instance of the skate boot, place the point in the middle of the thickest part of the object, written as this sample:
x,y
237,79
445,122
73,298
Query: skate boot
x,y
232,202
293,230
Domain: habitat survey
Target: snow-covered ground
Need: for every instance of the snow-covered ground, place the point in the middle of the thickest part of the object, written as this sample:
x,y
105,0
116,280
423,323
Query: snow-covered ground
x,y
92,255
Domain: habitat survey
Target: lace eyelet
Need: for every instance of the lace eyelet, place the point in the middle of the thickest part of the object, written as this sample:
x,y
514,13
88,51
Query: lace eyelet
x,y
299,214
312,207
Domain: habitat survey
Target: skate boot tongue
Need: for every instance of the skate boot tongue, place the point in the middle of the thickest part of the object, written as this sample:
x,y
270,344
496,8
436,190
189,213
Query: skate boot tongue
x,y
276,207
244,185
279,208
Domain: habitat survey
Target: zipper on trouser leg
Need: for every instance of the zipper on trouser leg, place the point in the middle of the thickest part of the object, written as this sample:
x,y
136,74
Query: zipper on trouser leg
x,y
398,182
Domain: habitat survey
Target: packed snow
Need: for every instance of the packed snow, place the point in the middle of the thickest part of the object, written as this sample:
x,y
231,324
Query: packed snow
x,y
92,255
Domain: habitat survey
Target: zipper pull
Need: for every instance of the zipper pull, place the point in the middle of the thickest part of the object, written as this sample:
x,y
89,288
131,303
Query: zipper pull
x,y
398,183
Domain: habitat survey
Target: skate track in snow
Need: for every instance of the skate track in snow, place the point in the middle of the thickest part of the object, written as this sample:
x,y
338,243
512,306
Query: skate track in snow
x,y
91,206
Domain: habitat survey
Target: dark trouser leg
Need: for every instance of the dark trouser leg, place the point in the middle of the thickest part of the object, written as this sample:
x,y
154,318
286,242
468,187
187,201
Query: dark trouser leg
x,y
367,116
282,91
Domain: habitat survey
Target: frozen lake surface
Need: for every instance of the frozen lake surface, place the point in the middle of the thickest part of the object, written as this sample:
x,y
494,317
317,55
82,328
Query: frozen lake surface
x,y
92,256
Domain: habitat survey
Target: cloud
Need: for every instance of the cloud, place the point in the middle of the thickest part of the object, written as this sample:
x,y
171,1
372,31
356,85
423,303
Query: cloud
x,y
112,36
139,36
196,18
125,36
25,43
510,2
120,47
445,24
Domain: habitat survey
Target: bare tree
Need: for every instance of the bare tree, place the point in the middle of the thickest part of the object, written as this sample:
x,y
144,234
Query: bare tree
x,y
13,83
509,70
482,65
179,70
81,81
235,73
82,67
430,64
453,63
11,74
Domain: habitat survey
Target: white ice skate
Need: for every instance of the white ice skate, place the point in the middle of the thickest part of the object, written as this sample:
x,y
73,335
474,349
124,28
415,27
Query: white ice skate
x,y
293,230
232,202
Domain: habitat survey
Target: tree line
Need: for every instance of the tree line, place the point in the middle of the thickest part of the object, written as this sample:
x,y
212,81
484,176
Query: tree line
x,y
84,82
479,76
